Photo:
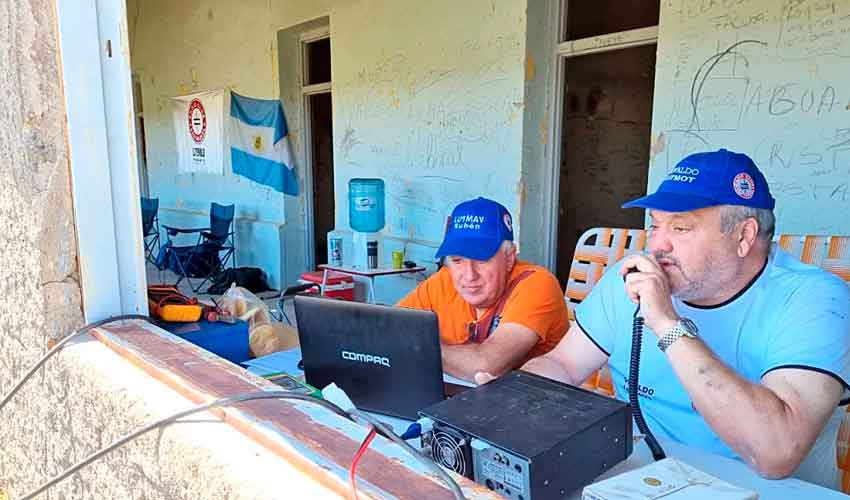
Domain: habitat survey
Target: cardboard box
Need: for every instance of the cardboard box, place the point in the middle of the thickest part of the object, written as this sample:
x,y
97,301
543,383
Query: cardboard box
x,y
669,479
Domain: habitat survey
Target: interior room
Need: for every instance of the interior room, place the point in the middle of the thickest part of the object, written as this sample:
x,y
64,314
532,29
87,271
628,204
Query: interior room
x,y
380,249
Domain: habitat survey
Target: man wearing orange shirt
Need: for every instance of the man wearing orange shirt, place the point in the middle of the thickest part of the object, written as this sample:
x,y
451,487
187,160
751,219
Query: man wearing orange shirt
x,y
495,312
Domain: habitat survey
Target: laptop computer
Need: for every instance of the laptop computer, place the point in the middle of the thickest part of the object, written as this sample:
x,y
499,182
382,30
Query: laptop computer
x,y
387,359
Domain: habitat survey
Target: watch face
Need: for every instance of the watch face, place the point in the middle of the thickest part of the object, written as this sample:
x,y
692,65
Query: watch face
x,y
690,326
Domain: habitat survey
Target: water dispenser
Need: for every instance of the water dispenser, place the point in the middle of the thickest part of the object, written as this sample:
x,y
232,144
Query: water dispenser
x,y
366,216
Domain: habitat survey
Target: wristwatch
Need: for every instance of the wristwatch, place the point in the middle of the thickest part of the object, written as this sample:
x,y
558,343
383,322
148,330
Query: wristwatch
x,y
683,328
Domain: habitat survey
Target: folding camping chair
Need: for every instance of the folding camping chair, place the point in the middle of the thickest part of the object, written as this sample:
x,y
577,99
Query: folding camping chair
x,y
210,254
150,228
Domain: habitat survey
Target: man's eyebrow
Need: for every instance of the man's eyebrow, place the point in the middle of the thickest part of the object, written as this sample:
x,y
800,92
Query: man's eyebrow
x,y
682,218
676,217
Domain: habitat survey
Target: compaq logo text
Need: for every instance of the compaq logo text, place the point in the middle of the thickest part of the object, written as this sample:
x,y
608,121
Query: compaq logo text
x,y
366,358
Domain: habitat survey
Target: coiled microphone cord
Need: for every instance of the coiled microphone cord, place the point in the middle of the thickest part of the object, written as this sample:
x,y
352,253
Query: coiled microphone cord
x,y
634,370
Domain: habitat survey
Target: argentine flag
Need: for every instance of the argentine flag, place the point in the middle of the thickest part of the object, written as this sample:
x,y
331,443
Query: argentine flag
x,y
259,149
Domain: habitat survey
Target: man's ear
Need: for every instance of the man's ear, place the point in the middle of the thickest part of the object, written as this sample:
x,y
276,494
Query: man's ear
x,y
747,236
511,258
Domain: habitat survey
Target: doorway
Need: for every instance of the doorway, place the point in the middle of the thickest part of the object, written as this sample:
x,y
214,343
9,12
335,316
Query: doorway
x,y
606,118
141,155
316,89
321,138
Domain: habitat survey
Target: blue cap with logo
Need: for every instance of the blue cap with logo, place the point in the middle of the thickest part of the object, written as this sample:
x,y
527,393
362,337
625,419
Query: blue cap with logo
x,y
708,179
476,230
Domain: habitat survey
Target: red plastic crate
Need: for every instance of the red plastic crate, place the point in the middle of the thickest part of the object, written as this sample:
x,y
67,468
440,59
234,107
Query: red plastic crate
x,y
338,285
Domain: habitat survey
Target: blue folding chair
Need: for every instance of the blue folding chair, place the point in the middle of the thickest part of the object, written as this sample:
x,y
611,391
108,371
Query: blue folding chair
x,y
211,253
150,228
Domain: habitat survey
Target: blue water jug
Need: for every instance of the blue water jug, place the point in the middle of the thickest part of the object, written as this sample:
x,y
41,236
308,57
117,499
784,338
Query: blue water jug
x,y
366,205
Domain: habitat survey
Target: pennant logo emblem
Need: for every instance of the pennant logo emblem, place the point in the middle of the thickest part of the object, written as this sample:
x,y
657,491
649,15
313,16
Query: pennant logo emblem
x,y
197,121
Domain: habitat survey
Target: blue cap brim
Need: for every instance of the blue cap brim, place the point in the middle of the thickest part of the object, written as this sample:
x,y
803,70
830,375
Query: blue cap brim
x,y
672,202
471,248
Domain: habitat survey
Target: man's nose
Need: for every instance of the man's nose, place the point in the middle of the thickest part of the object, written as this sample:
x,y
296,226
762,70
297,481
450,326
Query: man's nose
x,y
659,241
469,269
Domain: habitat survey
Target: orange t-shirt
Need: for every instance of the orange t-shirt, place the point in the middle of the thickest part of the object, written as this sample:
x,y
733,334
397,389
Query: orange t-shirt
x,y
535,303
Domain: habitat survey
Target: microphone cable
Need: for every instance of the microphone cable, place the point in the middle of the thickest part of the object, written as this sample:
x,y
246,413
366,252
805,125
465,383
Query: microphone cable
x,y
634,370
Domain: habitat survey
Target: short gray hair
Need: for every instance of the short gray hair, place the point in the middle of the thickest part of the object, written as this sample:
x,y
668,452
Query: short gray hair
x,y
731,215
507,246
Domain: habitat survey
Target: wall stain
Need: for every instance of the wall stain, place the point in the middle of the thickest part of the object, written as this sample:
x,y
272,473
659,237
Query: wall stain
x,y
530,67
544,129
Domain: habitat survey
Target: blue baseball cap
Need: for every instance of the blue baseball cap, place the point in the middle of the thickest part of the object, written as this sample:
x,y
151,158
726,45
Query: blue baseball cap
x,y
476,230
708,179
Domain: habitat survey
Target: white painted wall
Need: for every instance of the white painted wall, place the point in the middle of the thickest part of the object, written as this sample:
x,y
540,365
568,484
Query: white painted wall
x,y
780,95
182,47
428,96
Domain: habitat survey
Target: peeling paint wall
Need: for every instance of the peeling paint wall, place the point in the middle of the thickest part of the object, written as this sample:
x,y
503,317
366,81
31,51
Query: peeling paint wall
x,y
39,282
767,78
86,396
183,47
534,190
427,95
295,233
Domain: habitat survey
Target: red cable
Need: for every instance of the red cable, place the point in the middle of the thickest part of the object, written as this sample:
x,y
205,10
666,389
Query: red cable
x,y
352,470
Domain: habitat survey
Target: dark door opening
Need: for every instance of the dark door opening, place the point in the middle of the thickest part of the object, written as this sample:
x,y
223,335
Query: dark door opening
x,y
605,143
321,138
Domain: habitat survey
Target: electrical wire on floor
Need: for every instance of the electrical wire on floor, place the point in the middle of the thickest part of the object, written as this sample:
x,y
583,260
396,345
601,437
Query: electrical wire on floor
x,y
352,470
239,398
61,344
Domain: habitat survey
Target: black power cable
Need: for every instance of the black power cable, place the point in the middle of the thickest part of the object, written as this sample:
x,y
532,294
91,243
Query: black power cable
x,y
239,398
61,344
634,370
382,429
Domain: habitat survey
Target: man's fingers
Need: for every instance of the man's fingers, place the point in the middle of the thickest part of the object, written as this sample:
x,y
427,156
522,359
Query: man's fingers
x,y
629,280
483,378
638,284
639,262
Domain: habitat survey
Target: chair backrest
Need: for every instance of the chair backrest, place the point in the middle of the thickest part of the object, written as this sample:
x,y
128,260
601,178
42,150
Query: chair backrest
x,y
599,247
150,207
221,217
829,252
596,249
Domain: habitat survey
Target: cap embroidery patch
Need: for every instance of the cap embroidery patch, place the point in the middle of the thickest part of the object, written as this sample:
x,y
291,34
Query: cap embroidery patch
x,y
507,220
744,186
472,222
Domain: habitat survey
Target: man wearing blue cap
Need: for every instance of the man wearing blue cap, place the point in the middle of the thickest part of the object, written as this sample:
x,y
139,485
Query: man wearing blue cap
x,y
495,312
748,353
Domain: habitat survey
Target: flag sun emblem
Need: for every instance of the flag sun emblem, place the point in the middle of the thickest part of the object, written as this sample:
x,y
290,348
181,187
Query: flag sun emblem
x,y
258,143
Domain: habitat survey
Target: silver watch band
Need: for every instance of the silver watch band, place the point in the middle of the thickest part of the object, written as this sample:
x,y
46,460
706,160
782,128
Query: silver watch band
x,y
683,328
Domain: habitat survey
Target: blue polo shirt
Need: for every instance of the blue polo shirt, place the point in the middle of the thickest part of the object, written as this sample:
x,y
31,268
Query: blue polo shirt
x,y
792,315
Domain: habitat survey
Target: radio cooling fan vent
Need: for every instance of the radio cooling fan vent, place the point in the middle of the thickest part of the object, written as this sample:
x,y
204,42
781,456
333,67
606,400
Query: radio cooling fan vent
x,y
451,450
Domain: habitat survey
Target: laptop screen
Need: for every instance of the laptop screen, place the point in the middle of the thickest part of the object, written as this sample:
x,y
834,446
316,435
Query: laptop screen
x,y
387,359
